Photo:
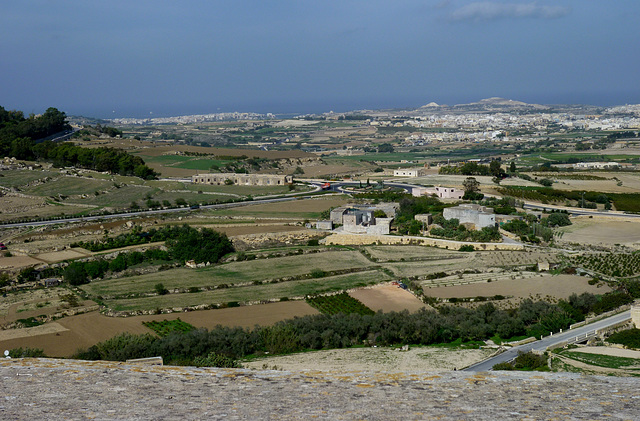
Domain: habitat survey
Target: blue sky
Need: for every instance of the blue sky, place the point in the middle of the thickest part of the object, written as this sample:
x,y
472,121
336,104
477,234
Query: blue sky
x,y
120,58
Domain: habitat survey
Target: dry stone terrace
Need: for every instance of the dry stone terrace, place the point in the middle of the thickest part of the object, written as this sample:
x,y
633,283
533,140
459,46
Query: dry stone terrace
x,y
67,389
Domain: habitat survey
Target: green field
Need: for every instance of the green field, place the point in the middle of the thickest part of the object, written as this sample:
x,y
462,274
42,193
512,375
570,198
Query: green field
x,y
230,273
17,178
68,186
607,361
252,293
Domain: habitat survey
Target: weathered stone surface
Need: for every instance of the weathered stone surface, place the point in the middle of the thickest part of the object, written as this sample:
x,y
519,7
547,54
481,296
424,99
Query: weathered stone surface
x,y
67,389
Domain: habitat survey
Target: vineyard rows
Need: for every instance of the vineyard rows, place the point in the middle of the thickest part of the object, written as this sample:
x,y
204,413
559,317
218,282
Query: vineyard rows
x,y
166,327
339,303
610,264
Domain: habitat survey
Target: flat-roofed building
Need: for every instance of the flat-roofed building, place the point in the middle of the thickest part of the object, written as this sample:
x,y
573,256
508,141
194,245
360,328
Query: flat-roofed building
x,y
220,179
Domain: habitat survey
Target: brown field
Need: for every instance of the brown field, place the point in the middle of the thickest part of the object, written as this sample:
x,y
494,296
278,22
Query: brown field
x,y
285,209
542,286
253,229
388,298
85,330
59,256
602,231
16,262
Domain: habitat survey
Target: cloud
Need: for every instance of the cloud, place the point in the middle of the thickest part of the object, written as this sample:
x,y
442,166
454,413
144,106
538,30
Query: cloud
x,y
484,11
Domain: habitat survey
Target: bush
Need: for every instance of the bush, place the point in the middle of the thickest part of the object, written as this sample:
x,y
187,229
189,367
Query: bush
x,y
630,338
467,247
161,290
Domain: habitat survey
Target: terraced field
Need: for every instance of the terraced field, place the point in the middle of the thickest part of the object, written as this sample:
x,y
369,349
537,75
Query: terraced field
x,y
252,293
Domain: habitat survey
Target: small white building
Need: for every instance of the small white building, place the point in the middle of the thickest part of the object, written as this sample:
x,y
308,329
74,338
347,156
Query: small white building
x,y
408,172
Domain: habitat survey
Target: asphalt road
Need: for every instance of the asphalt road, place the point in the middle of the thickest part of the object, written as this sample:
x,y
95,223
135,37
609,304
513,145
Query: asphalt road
x,y
550,341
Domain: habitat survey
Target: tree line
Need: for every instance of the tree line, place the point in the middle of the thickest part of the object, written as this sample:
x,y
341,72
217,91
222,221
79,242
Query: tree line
x,y
425,327
20,138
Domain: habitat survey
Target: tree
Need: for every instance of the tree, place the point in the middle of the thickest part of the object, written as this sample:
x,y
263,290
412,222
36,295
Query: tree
x,y
512,167
76,274
471,189
495,169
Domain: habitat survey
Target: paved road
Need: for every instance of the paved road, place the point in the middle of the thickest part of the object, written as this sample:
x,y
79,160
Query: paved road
x,y
148,212
550,341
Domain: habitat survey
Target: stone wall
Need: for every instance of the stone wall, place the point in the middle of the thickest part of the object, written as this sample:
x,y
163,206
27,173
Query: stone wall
x,y
69,389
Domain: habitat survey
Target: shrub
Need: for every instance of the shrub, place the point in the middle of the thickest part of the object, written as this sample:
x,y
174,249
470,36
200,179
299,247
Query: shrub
x,y
160,289
630,338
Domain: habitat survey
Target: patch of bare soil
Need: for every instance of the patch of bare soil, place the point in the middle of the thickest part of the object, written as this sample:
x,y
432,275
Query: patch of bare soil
x,y
602,232
606,350
388,298
59,256
85,330
245,230
376,359
16,262
542,286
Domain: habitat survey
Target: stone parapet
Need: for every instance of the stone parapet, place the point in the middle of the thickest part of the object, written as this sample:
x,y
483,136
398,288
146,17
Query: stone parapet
x,y
68,389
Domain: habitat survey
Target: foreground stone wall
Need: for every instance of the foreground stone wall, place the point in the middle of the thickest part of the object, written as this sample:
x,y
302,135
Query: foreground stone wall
x,y
364,239
67,389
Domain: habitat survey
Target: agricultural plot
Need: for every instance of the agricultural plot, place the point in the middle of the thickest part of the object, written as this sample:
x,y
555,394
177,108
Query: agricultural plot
x,y
339,303
408,253
601,231
228,274
165,327
69,186
18,178
410,269
303,208
251,293
610,264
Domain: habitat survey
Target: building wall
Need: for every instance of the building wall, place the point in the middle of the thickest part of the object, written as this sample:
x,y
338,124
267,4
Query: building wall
x,y
467,214
243,179
412,172
441,192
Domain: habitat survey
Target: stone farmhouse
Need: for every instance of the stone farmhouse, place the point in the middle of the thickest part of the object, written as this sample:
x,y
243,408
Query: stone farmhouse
x,y
242,179
358,219
476,215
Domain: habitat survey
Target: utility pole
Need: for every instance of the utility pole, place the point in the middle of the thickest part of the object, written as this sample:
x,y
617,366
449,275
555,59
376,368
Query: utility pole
x,y
583,200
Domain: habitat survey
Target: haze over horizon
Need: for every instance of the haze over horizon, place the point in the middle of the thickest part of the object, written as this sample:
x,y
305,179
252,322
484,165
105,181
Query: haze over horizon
x,y
160,58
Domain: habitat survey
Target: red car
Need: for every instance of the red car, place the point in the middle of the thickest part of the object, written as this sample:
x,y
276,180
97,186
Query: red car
x,y
2,246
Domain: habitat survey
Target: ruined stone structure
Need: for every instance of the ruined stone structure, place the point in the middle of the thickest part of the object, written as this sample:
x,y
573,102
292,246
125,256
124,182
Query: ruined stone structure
x,y
242,179
479,216
68,389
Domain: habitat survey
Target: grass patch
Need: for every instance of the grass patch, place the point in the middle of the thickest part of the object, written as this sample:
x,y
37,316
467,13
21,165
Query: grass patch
x,y
606,361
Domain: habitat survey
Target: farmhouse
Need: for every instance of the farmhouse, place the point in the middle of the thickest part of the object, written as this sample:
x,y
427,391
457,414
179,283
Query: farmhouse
x,y
479,216
408,172
441,192
596,165
242,179
358,219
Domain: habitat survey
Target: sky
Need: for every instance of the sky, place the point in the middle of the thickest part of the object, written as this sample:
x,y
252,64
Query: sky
x,y
140,58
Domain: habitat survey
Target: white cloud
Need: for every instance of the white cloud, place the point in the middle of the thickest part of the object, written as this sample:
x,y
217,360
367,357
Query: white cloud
x,y
483,11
